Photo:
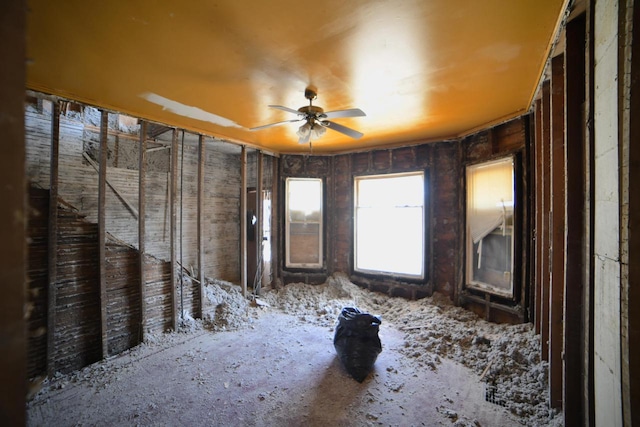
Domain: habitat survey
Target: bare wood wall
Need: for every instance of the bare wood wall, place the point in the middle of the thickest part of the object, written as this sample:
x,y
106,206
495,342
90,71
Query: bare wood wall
x,y
66,332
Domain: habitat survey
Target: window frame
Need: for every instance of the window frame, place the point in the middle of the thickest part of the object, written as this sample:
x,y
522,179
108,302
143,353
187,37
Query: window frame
x,y
288,222
424,234
479,285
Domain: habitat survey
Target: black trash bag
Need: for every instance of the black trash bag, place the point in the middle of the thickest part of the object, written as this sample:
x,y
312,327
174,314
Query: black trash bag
x,y
356,341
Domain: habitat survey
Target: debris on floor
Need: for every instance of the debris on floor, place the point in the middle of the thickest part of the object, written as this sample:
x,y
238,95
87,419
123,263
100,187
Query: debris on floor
x,y
432,332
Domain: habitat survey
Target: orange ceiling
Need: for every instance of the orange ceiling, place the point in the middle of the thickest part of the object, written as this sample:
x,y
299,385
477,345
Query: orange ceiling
x,y
420,70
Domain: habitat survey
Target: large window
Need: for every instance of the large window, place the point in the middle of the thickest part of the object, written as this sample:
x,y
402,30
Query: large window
x,y
389,224
304,223
490,206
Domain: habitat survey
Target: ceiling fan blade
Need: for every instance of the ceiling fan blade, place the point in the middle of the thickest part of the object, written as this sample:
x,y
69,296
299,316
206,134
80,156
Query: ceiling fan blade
x,y
274,124
287,109
342,129
337,114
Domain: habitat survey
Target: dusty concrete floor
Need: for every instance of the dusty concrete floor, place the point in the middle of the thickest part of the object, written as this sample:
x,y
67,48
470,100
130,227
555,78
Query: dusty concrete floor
x,y
280,371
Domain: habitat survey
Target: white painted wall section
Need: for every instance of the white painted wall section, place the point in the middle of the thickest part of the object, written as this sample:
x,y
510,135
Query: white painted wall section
x,y
607,353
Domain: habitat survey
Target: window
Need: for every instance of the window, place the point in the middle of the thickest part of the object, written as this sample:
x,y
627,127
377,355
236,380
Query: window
x,y
303,223
490,206
389,224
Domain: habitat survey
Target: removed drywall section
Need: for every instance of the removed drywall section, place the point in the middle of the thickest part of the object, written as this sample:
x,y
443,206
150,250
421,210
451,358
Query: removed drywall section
x,y
79,134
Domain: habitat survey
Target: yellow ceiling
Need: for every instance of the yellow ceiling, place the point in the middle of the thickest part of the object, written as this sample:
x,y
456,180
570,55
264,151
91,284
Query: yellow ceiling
x,y
421,70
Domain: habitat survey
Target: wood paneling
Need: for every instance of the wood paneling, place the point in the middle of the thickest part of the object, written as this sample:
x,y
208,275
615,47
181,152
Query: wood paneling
x,y
76,335
76,341
123,298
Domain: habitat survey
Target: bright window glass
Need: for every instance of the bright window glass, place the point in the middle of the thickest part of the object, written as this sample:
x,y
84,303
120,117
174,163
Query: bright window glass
x,y
304,223
490,205
389,224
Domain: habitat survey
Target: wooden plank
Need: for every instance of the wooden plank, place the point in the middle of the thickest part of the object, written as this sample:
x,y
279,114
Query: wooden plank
x,y
275,235
546,220
630,217
53,237
173,201
200,197
330,206
243,220
102,179
575,275
539,224
13,216
259,227
558,183
142,168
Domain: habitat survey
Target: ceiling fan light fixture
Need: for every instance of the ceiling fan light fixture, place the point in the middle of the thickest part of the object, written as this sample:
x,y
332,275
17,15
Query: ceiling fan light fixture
x,y
315,119
304,130
313,130
317,131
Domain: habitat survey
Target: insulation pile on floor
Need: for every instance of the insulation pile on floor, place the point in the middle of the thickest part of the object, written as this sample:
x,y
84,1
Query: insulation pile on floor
x,y
276,365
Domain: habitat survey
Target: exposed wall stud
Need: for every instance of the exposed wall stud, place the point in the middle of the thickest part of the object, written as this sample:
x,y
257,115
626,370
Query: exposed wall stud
x,y
275,235
539,226
243,220
544,233
142,170
102,182
573,347
174,210
257,281
201,159
13,215
557,232
53,237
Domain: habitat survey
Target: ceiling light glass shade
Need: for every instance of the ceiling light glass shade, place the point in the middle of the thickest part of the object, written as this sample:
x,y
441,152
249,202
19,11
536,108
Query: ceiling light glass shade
x,y
315,130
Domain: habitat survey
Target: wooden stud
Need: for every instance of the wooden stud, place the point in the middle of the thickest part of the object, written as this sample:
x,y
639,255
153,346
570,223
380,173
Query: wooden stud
x,y
258,233
53,238
173,233
275,203
630,213
525,174
330,223
102,182
573,390
546,219
539,225
243,220
201,158
142,171
589,294
13,215
558,183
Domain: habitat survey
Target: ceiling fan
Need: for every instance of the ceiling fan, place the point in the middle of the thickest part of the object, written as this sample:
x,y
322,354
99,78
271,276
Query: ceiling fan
x,y
316,119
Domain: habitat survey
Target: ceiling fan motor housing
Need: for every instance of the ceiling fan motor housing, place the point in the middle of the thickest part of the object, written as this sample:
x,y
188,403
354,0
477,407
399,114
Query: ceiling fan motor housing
x,y
311,110
310,94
